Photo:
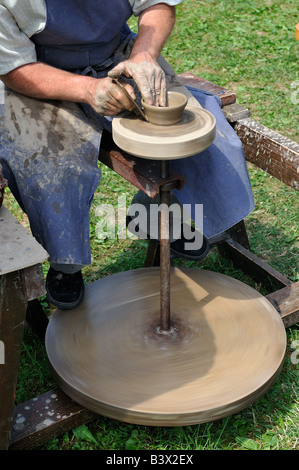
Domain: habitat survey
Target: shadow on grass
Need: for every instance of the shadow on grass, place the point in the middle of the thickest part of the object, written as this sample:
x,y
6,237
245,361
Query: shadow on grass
x,y
276,247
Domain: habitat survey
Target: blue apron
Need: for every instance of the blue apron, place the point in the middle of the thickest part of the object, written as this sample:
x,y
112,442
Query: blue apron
x,y
55,181
218,177
77,35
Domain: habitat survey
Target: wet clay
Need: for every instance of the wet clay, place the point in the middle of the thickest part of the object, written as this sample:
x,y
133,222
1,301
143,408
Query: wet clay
x,y
224,350
194,132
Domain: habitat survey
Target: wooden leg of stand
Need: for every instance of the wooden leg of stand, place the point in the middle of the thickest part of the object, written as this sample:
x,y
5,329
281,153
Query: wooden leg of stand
x,y
12,318
37,319
239,234
152,255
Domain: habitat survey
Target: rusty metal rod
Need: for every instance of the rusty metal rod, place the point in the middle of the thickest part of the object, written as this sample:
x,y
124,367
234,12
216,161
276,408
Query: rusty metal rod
x,y
164,253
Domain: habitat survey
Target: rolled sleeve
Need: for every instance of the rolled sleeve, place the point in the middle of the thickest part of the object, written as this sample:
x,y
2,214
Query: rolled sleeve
x,y
16,48
139,5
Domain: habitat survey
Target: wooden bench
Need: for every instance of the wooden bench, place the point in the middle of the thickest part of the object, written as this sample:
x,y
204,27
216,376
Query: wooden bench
x,y
264,148
21,281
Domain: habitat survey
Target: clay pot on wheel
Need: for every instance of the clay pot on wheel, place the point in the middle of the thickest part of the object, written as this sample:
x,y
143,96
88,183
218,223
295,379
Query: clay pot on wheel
x,y
168,115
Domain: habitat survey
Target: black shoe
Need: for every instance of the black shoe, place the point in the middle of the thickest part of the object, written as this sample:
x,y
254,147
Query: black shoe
x,y
65,291
177,247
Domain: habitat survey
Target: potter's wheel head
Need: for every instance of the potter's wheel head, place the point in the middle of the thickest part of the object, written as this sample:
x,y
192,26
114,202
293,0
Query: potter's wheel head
x,y
190,136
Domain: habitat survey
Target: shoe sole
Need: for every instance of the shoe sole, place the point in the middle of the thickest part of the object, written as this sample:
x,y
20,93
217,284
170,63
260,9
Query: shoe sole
x,y
184,255
66,305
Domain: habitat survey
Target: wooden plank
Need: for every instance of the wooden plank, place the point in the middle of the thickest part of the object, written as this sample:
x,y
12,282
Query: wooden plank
x,y
36,319
12,318
34,282
239,234
270,151
19,249
234,112
253,266
190,79
153,254
45,417
286,302
142,173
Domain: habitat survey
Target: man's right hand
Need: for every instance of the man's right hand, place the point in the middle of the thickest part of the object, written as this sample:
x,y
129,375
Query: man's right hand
x,y
42,81
107,98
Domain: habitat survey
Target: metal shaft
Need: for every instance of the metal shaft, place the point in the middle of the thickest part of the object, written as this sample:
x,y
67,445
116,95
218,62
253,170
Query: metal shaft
x,y
164,253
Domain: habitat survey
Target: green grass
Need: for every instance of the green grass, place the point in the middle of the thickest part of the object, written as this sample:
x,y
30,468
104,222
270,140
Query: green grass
x,y
245,46
248,47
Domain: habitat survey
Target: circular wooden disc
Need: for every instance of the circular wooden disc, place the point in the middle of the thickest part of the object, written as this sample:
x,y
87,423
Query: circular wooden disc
x,y
193,134
224,351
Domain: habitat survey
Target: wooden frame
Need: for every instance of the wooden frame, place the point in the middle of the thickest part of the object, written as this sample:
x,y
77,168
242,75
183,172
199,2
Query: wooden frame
x,y
267,150
21,281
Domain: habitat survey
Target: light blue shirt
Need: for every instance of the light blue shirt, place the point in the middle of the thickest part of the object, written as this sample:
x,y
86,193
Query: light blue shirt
x,y
19,20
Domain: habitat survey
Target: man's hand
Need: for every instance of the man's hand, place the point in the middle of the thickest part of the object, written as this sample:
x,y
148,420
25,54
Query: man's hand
x,y
107,98
148,76
42,81
154,27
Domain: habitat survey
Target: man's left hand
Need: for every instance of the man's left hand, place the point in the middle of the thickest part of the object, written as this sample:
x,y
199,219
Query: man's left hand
x,y
148,76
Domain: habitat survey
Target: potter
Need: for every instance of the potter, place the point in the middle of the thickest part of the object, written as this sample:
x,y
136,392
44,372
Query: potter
x,y
57,61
